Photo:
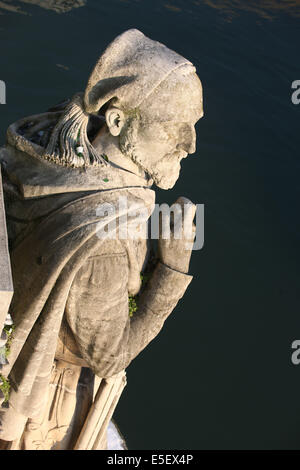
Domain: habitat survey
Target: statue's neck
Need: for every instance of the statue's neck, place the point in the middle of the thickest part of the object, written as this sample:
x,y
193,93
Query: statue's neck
x,y
108,145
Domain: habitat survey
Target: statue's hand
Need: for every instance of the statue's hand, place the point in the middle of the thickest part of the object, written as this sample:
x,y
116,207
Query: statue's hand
x,y
177,233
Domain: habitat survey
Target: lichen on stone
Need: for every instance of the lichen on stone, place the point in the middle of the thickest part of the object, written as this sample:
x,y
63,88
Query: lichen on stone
x,y
4,387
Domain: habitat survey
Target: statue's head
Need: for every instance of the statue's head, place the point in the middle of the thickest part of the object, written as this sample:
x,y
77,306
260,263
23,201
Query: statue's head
x,y
161,131
151,99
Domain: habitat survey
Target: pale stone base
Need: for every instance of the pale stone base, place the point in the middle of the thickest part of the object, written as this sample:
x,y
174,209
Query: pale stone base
x,y
72,419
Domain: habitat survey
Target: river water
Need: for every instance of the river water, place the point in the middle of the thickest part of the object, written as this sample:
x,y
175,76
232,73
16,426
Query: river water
x,y
220,374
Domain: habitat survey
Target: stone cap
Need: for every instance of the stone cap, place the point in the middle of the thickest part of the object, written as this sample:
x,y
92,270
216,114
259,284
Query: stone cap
x,y
6,284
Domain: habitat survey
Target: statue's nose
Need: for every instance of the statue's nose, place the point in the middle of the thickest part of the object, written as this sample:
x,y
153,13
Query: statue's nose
x,y
189,143
192,148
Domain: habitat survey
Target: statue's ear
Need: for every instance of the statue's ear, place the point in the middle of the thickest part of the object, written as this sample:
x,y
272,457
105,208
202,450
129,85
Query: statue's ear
x,y
115,120
98,92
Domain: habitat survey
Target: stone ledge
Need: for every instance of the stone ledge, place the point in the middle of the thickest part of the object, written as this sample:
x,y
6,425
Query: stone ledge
x,y
6,285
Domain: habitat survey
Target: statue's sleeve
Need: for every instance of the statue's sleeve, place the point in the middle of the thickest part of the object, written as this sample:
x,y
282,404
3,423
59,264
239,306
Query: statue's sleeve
x,y
161,295
97,311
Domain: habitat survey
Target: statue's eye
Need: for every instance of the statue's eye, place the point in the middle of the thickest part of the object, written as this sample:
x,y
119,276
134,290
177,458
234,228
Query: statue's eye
x,y
185,132
163,133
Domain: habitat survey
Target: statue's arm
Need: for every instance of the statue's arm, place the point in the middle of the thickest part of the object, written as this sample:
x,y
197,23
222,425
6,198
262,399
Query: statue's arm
x,y
163,291
168,282
98,313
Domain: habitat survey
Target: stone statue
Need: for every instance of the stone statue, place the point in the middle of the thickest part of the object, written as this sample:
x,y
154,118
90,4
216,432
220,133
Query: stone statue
x,y
129,129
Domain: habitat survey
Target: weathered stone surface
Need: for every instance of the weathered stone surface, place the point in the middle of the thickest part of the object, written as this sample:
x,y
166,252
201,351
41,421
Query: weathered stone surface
x,y
6,285
73,279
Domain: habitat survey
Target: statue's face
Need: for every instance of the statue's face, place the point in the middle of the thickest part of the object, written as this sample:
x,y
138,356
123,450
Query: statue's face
x,y
165,132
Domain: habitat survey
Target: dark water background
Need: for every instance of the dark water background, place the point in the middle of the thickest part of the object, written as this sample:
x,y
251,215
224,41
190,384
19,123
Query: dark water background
x,y
219,376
